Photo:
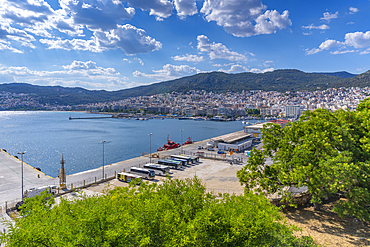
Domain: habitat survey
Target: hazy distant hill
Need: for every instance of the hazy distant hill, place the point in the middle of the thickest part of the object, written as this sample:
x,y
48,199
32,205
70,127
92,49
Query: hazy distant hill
x,y
343,74
218,82
278,80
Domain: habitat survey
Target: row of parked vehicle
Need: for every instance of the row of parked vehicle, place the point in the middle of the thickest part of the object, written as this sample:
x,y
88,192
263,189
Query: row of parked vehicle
x,y
148,171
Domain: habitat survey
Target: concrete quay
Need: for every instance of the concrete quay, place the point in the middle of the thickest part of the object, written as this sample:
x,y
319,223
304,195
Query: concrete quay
x,y
10,172
11,180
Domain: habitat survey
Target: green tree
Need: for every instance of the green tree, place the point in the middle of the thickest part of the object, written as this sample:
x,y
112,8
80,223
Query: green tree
x,y
175,213
323,152
253,112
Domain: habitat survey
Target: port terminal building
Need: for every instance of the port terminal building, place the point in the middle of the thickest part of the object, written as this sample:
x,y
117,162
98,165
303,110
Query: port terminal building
x,y
234,141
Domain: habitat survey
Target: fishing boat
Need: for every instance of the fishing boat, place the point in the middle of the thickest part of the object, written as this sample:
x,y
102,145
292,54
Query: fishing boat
x,y
169,145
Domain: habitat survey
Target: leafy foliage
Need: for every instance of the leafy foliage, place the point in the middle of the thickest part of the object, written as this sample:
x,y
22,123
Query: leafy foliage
x,y
324,152
175,213
253,112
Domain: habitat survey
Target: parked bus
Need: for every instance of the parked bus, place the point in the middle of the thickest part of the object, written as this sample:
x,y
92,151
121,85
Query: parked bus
x,y
183,162
145,173
128,177
192,158
171,163
182,157
158,169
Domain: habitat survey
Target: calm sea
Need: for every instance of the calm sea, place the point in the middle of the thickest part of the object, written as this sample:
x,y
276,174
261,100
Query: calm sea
x,y
45,136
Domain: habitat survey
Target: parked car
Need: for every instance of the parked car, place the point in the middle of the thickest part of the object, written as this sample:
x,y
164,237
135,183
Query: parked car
x,y
220,152
211,149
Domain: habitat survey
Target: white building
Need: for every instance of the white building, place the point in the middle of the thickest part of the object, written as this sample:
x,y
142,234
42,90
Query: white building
x,y
292,111
234,141
254,130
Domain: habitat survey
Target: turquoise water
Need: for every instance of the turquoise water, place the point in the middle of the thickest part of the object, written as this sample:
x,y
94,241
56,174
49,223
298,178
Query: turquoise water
x,y
45,136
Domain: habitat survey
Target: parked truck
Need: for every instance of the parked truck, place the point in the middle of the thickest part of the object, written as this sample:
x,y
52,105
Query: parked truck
x,y
51,189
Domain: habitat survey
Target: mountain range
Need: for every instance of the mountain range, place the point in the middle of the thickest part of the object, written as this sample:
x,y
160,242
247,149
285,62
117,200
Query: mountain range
x,y
217,82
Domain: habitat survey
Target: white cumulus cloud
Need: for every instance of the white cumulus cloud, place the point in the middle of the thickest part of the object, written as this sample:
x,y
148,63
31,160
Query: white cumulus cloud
x,y
367,51
358,40
255,70
244,18
236,68
353,10
185,8
78,73
159,8
326,45
189,58
329,16
24,22
96,14
169,71
342,52
217,50
128,38
90,67
7,47
312,26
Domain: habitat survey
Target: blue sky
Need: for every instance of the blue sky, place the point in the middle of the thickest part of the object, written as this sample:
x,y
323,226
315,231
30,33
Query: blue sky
x,y
118,44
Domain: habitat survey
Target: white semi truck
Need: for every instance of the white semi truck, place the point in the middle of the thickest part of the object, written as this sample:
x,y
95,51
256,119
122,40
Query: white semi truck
x,y
51,189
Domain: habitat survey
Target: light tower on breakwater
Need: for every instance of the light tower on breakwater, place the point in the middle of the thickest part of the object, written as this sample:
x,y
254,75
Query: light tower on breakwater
x,y
62,175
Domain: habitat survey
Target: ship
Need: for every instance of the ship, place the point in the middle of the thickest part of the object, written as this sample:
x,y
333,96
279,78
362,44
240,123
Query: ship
x,y
188,141
169,145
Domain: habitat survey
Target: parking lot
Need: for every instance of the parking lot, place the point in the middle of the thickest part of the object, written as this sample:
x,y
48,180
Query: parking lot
x,y
217,176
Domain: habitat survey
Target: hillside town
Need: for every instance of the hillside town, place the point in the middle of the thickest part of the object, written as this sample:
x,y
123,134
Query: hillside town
x,y
209,104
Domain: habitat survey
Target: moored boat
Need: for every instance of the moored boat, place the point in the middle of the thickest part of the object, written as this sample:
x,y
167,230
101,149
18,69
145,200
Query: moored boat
x,y
188,141
169,145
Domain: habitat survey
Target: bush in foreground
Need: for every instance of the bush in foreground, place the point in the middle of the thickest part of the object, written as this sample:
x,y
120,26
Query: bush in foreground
x,y
175,213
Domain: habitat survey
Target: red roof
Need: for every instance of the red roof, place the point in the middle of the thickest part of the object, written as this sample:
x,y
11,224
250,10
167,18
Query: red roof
x,y
279,121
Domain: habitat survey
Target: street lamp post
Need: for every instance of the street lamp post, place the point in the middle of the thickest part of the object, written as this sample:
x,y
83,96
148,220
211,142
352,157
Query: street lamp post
x,y
21,153
150,147
181,141
103,158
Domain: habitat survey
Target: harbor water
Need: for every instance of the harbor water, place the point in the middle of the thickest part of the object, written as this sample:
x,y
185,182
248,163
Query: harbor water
x,y
45,136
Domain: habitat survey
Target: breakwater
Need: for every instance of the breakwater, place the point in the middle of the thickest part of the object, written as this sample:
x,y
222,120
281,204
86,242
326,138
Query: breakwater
x,y
71,118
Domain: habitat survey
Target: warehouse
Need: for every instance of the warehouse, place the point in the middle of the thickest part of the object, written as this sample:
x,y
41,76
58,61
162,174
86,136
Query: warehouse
x,y
234,141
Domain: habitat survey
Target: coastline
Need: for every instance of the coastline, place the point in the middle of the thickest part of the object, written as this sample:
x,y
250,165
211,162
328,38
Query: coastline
x,y
46,137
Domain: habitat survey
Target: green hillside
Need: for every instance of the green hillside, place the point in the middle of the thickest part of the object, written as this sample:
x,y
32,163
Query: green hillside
x,y
217,82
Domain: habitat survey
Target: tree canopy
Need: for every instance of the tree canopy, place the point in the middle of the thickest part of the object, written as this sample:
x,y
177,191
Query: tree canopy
x,y
175,213
325,152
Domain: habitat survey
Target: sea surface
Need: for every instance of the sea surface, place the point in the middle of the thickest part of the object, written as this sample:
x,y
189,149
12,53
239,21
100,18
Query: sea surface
x,y
45,136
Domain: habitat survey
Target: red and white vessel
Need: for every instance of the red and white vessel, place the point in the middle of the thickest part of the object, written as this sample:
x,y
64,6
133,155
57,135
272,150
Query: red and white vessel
x,y
169,145
188,141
